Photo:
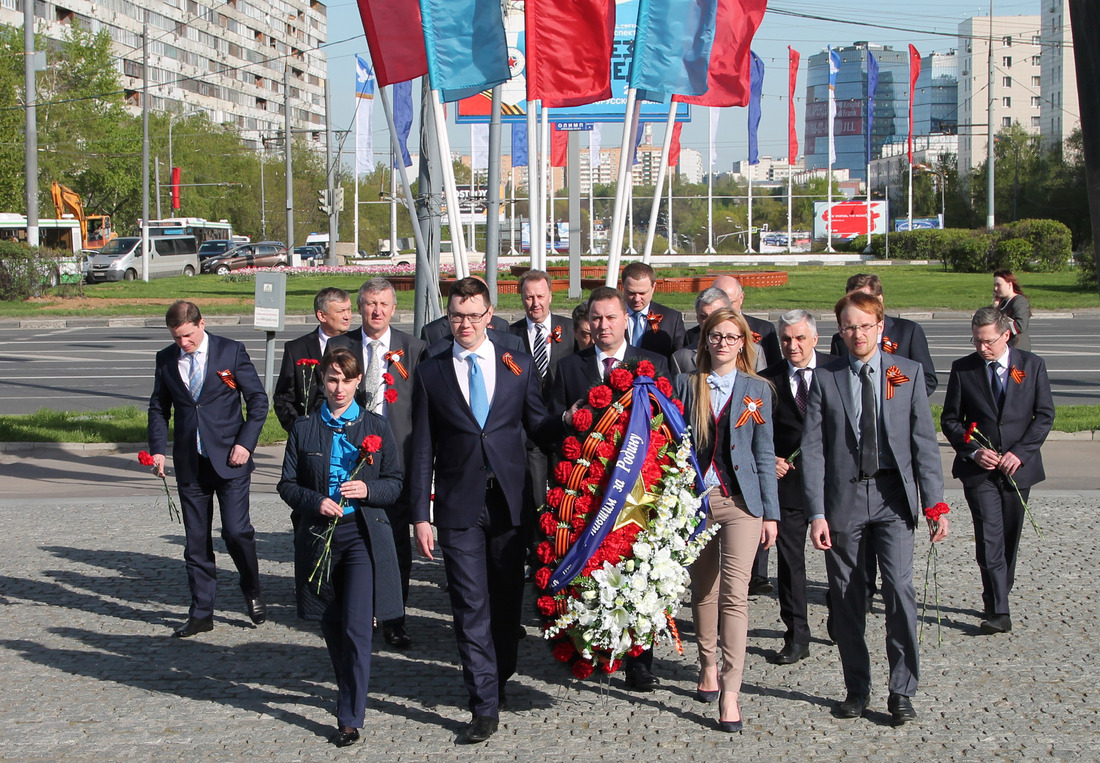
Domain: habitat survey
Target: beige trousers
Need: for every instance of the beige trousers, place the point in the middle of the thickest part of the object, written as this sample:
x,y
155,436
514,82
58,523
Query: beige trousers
x,y
720,588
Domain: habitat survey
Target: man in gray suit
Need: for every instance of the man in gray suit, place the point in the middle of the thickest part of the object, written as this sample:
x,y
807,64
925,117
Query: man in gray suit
x,y
870,463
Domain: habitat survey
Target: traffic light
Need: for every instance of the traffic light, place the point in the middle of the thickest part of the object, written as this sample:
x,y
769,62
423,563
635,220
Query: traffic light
x,y
323,202
338,200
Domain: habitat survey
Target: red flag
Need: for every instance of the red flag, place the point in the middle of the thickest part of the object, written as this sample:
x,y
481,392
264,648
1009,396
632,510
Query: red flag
x,y
914,72
569,48
792,137
395,38
175,188
728,73
674,149
559,146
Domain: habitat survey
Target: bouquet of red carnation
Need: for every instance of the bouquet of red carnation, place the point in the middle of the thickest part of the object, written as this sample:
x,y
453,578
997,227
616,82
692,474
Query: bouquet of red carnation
x,y
323,569
973,434
308,366
146,459
933,515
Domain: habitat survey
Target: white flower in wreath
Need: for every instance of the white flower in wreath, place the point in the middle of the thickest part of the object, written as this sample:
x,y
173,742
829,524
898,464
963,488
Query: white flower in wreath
x,y
642,550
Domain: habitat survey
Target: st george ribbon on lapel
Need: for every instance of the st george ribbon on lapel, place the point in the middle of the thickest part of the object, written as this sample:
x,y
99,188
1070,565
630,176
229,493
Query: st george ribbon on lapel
x,y
628,468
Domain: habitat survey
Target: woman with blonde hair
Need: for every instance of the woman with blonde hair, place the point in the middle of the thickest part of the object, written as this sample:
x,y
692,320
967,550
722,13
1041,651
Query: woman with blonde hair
x,y
729,409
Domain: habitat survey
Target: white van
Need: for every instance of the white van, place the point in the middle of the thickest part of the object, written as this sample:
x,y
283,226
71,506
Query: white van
x,y
120,259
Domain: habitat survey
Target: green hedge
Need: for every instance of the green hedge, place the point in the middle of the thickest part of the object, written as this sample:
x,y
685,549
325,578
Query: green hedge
x,y
27,271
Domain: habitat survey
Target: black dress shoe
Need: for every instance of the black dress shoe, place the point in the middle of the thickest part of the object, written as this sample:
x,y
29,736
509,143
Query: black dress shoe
x,y
901,709
706,696
730,727
344,738
641,678
257,610
502,700
396,636
791,653
194,626
759,585
852,706
480,729
996,624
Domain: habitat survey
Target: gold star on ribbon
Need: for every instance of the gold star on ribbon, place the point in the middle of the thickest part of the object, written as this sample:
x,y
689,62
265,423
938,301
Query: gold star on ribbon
x,y
636,509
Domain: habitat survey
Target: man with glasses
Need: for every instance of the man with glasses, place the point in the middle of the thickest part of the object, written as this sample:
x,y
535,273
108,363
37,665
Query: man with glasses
x,y
472,406
1005,392
870,464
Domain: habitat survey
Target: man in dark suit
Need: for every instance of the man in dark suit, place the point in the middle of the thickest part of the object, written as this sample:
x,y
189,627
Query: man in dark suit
x,y
386,353
652,327
203,378
767,345
870,462
707,301
797,331
1006,393
607,313
547,338
297,385
472,406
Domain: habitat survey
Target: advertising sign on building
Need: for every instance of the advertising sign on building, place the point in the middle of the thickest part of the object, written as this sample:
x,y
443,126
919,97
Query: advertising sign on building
x,y
848,219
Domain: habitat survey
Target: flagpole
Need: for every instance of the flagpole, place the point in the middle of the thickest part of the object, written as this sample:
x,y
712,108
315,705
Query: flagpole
x,y
748,234
790,190
535,237
614,252
910,192
551,228
473,204
710,193
662,168
422,260
450,191
591,207
671,236
512,219
832,150
867,249
393,206
544,189
630,217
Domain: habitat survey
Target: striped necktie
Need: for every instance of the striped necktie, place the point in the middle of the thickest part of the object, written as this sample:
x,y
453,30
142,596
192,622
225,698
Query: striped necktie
x,y
194,386
542,355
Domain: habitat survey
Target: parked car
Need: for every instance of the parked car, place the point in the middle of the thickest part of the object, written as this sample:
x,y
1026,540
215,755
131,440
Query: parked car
x,y
215,247
263,254
120,259
310,253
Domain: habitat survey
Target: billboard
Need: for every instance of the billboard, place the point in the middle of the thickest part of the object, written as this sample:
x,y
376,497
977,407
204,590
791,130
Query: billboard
x,y
902,223
848,219
775,241
475,109
559,244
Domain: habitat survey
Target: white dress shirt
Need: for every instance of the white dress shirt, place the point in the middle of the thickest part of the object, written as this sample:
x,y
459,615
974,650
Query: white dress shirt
x,y
1001,368
547,329
486,361
377,395
619,354
201,356
792,374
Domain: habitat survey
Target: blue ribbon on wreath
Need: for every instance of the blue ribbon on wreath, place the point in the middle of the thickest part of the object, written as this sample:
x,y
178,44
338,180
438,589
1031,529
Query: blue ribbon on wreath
x,y
625,474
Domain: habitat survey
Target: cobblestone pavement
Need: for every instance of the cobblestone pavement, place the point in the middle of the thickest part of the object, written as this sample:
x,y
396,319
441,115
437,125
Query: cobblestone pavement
x,y
91,589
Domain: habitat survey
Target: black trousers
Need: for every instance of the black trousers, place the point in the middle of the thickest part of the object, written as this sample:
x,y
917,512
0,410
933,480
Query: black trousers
x,y
399,523
998,522
790,548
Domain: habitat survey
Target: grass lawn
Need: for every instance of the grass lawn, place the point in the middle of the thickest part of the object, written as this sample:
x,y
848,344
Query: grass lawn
x,y
814,287
128,425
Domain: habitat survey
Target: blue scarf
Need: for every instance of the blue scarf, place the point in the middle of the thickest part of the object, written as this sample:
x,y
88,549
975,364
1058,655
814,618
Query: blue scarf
x,y
343,454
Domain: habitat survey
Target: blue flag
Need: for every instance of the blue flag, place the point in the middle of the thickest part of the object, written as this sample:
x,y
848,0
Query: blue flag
x,y
872,86
672,48
403,116
756,85
637,142
466,46
519,144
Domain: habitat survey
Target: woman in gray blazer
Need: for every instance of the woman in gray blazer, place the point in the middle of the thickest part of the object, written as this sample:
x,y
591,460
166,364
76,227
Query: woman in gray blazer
x,y
340,470
730,412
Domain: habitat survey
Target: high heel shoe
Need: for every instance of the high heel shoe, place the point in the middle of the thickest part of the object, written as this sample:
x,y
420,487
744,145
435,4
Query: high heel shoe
x,y
702,695
730,727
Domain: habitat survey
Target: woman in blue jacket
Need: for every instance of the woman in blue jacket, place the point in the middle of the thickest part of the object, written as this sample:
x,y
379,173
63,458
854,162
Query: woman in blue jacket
x,y
339,471
729,409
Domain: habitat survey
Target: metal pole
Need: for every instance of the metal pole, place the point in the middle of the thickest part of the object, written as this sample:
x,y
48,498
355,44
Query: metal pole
x,y
492,214
512,214
263,192
269,362
546,190
1016,181
671,236
156,175
662,168
144,150
990,167
535,233
30,155
867,249
289,166
458,247
910,195
614,252
591,205
574,183
710,204
790,191
355,202
630,212
429,224
748,233
330,179
393,203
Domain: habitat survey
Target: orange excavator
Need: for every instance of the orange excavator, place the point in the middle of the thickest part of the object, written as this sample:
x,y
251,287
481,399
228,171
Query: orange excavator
x,y
95,230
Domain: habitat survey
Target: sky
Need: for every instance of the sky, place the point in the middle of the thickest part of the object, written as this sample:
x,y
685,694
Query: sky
x,y
808,26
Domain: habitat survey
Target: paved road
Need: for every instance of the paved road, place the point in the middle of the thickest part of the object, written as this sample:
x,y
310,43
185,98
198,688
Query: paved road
x,y
94,368
91,674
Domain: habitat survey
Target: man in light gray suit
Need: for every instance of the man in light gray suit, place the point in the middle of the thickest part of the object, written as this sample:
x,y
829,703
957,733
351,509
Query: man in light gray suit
x,y
870,464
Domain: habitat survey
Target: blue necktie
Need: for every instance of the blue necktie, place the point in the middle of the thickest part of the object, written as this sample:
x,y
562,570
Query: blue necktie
x,y
639,330
194,386
479,400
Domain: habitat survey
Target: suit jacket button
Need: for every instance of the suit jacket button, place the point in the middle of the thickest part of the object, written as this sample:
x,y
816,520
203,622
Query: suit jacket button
x,y
735,467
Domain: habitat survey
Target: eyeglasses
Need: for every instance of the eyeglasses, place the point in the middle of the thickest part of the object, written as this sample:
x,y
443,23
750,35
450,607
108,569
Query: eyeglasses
x,y
719,339
473,318
988,342
863,328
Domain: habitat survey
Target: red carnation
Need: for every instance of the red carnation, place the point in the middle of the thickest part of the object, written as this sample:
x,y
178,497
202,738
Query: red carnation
x,y
582,420
611,667
665,387
596,471
571,448
545,553
970,432
600,397
548,523
583,504
547,605
574,537
578,522
554,497
645,368
582,669
145,459
605,449
934,513
390,396
651,473
562,472
564,651
542,577
620,379
658,440
636,651
679,406
387,378
309,362
371,443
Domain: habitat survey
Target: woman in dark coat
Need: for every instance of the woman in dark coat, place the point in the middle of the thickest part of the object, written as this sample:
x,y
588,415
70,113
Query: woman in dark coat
x,y
1009,298
339,471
